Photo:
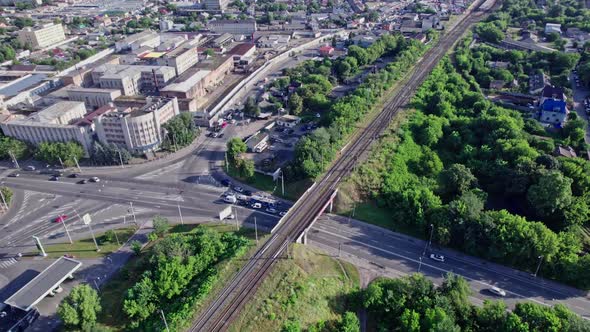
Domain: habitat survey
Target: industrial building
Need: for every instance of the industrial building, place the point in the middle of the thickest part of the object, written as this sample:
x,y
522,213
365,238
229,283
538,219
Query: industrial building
x,y
92,98
132,80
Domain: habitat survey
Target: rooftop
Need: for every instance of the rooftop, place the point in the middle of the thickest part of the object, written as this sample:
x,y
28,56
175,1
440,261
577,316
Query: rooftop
x,y
22,84
53,113
187,80
241,49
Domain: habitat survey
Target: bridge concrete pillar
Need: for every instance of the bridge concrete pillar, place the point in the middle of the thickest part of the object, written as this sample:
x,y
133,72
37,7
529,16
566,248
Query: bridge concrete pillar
x,y
331,205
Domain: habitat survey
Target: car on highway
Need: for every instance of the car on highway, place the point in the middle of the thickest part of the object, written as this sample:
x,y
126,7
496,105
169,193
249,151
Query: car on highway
x,y
230,199
73,175
497,291
256,205
239,189
13,175
54,178
83,181
271,210
437,257
30,168
226,182
60,218
94,179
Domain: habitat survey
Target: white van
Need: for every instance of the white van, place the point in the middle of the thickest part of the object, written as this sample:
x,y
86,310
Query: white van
x,y
230,199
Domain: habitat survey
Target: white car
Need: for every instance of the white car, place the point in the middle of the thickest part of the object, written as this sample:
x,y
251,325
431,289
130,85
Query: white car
x,y
231,217
230,199
256,206
437,257
94,179
239,189
497,291
271,210
283,213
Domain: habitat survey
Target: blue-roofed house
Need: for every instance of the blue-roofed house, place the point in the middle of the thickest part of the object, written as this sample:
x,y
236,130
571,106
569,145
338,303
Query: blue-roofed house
x,y
554,111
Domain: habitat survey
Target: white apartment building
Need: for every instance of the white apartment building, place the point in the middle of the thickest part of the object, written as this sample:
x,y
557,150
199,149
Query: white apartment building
x,y
93,98
130,79
53,124
138,129
235,27
42,36
181,58
215,5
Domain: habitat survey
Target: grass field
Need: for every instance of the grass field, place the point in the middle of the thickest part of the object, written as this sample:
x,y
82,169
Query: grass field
x,y
310,287
265,183
113,293
85,248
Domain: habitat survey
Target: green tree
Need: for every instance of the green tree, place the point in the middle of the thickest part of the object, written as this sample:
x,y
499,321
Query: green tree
x,y
140,301
550,194
295,104
235,148
136,247
489,32
349,323
52,153
291,325
11,145
180,130
456,179
410,321
247,168
7,194
161,225
80,308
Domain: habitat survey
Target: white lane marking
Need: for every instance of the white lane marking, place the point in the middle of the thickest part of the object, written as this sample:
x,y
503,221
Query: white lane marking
x,y
428,265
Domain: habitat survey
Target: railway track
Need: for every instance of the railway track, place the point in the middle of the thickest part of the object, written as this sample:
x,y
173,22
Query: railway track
x,y
228,303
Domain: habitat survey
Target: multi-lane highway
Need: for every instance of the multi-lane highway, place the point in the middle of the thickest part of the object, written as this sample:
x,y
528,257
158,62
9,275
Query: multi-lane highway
x,y
394,254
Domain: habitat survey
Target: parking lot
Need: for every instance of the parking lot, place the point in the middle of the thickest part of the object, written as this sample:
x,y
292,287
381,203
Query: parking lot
x,y
255,200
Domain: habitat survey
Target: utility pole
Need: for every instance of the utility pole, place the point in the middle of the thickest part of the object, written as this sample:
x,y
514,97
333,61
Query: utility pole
x,y
13,159
236,217
431,232
116,237
256,230
120,158
226,163
63,221
283,181
39,245
3,199
180,214
77,165
133,213
164,318
93,238
420,265
538,266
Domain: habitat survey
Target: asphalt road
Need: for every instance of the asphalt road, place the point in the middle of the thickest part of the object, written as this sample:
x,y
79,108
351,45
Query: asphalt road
x,y
391,253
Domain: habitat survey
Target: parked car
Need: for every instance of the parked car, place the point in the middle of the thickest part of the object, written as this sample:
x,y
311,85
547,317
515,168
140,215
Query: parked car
x,y
239,189
61,218
225,182
497,291
437,257
247,193
256,205
282,213
271,210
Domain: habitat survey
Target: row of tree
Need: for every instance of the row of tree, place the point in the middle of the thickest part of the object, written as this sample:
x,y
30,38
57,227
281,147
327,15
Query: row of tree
x,y
242,166
460,154
314,152
414,304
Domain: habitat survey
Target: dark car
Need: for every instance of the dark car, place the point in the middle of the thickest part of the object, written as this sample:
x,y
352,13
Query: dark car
x,y
226,182
54,178
247,193
73,176
82,181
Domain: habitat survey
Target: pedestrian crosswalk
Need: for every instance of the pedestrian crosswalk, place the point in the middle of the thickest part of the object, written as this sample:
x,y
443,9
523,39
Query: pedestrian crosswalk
x,y
159,172
7,262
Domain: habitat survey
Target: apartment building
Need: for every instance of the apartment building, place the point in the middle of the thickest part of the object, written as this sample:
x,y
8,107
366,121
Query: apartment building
x,y
135,124
42,36
92,98
145,38
235,27
56,123
181,58
130,79
215,5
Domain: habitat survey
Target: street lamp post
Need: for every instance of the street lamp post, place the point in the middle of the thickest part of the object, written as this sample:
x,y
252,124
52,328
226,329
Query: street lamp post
x,y
538,265
120,158
180,214
420,264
